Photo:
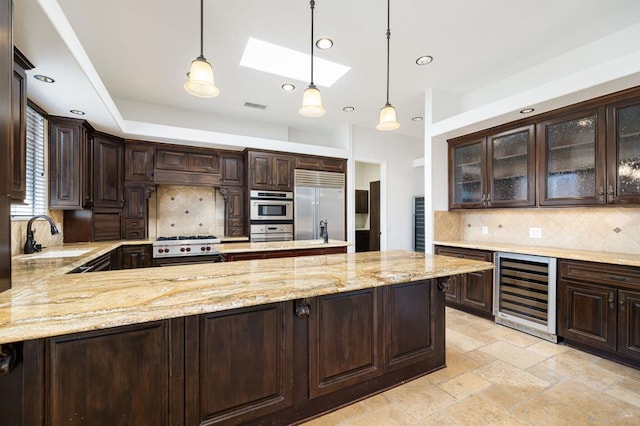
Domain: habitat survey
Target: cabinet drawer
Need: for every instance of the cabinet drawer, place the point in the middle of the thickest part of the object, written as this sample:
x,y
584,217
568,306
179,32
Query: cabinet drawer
x,y
134,223
472,254
600,273
134,234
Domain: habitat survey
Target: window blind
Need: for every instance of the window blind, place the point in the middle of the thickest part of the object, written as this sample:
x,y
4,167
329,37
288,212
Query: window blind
x,y
36,201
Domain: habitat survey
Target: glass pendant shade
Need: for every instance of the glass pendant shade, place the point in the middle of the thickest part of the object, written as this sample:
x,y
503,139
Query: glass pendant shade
x,y
388,119
312,103
200,81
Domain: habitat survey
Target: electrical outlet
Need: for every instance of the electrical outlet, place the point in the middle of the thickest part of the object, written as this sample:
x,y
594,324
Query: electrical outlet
x,y
485,230
535,232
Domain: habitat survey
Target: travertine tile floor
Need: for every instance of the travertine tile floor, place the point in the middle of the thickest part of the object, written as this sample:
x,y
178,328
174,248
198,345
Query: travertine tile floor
x,y
499,376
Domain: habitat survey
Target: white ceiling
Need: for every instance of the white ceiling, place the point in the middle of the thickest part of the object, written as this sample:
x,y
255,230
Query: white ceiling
x,y
142,49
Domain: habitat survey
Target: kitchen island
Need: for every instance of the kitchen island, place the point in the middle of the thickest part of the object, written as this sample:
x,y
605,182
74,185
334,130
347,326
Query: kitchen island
x,y
271,341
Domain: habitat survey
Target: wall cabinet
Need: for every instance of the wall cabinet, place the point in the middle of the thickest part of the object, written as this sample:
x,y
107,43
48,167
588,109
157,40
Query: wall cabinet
x,y
472,292
232,165
270,171
623,151
70,180
362,201
496,170
18,144
138,162
108,171
599,309
186,166
327,164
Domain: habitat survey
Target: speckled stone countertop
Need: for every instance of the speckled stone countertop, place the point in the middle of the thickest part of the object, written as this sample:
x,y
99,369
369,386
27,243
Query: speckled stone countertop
x,y
560,253
61,304
278,245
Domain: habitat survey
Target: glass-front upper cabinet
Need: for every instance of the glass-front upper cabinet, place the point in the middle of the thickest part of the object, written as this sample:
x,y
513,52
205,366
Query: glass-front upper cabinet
x,y
623,152
511,168
572,159
496,171
467,188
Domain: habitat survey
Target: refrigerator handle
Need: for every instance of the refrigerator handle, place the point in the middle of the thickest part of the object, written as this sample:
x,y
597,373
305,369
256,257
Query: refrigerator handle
x,y
413,232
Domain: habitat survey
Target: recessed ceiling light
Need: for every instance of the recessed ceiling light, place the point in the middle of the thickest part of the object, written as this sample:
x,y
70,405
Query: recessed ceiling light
x,y
348,109
324,43
527,110
43,78
424,60
288,87
76,112
271,58
418,118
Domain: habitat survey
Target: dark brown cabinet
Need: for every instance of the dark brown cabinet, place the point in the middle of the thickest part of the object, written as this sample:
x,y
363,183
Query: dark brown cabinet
x,y
339,321
108,171
234,210
493,170
239,364
232,165
70,177
18,145
326,164
92,225
623,151
133,257
138,162
186,166
363,240
472,292
599,308
135,209
270,171
125,374
362,201
571,149
230,257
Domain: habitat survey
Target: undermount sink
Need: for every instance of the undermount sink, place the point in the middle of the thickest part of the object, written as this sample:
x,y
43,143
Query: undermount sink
x,y
59,253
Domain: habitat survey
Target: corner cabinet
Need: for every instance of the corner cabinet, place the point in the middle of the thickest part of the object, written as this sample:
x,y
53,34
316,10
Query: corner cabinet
x,y
497,170
599,309
270,171
472,292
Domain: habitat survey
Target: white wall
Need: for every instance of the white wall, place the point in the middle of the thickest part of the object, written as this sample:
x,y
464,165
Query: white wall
x,y
400,181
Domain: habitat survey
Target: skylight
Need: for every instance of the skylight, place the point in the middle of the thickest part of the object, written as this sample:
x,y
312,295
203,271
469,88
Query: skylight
x,y
273,59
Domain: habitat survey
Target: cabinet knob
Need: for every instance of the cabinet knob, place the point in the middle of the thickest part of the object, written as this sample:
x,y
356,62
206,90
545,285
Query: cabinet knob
x,y
622,302
610,192
601,194
444,285
611,300
303,308
8,358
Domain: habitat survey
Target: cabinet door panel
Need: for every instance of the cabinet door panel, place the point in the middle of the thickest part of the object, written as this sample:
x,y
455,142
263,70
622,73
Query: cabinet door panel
x,y
113,376
623,152
629,323
344,339
587,314
475,291
467,174
410,332
18,147
232,169
282,178
108,169
260,170
244,364
65,172
138,162
204,162
172,160
572,159
107,225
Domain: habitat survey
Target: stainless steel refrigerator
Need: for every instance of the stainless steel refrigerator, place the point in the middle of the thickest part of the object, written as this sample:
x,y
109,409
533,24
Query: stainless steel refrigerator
x,y
318,196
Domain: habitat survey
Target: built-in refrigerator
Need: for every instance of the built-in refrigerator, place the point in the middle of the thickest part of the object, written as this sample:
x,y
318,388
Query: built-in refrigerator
x,y
318,196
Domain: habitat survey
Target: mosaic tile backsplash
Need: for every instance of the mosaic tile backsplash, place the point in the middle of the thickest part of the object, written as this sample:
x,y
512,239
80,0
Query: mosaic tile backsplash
x,y
601,229
186,210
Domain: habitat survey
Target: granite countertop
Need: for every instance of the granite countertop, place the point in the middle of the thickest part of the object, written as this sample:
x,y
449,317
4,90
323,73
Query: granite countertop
x,y
278,245
56,304
626,259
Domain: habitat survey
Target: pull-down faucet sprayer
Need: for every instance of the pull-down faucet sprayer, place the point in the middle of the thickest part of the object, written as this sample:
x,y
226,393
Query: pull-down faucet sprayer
x,y
30,245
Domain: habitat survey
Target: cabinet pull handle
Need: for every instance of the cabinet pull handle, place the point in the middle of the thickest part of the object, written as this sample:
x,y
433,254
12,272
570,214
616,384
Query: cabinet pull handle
x,y
487,200
8,358
483,200
601,194
611,300
622,302
610,192
444,285
618,277
303,308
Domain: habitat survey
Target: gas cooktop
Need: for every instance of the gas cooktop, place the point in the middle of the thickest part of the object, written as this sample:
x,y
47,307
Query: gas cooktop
x,y
190,237
178,246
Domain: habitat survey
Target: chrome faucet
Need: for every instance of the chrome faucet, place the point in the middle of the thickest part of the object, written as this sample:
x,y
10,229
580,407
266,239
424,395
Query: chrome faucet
x,y
30,245
324,230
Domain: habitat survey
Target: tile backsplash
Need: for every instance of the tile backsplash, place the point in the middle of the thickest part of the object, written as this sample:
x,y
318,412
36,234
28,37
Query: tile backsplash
x,y
186,210
601,229
42,232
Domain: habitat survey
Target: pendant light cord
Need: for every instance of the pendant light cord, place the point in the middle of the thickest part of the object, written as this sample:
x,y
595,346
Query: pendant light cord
x,y
201,28
312,3
388,43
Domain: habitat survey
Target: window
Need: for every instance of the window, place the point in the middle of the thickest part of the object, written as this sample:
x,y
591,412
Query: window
x,y
36,201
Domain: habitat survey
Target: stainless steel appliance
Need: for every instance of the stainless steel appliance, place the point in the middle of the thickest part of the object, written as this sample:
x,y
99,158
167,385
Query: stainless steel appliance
x,y
525,294
319,196
271,206
186,250
272,232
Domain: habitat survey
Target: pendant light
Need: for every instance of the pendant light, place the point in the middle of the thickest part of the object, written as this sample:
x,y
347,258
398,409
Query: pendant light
x,y
311,101
200,75
388,119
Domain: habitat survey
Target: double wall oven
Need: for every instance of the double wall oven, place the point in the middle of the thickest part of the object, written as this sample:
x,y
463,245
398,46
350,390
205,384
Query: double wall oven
x,y
271,215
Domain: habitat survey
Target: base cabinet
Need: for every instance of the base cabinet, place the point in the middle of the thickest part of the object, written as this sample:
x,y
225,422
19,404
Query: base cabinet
x,y
599,309
278,363
471,292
